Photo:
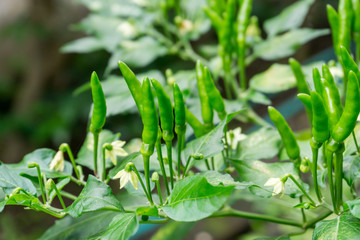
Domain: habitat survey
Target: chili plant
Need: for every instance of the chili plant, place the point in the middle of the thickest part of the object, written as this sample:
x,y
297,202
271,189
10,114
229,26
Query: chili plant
x,y
190,166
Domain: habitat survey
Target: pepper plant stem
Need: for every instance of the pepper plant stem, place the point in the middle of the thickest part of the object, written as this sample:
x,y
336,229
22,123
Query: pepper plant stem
x,y
41,184
159,192
329,161
355,142
71,156
96,143
161,161
141,182
180,144
103,175
301,188
315,152
338,179
58,194
146,159
169,155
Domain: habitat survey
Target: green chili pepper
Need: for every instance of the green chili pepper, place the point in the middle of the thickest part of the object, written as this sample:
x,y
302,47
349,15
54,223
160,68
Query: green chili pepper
x,y
216,100
180,120
333,19
317,81
149,117
345,20
165,111
179,109
242,24
356,28
306,100
351,111
206,109
195,124
320,126
287,135
349,62
299,76
215,19
149,135
133,83
332,102
99,111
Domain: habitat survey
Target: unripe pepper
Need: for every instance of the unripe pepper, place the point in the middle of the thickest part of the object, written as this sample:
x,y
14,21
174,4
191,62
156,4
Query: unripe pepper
x,y
306,100
320,126
165,111
317,81
179,109
149,118
133,83
206,109
332,102
299,76
349,62
216,100
287,135
351,111
195,124
333,19
99,111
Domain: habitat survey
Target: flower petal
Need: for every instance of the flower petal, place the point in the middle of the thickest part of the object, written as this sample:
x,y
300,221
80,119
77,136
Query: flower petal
x,y
120,152
134,180
124,180
119,174
272,181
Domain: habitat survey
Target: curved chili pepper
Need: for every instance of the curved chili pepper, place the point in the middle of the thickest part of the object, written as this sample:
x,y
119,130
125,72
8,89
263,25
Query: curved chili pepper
x,y
165,111
133,83
345,18
99,111
317,80
332,102
349,62
287,135
195,124
320,126
206,109
216,100
299,76
351,111
179,109
306,100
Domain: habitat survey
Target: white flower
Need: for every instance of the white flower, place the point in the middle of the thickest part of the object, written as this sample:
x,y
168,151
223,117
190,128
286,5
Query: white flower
x,y
235,136
279,186
126,176
127,29
185,26
58,162
116,150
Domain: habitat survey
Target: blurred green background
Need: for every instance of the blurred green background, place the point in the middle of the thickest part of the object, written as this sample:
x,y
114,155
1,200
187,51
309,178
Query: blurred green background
x,y
38,107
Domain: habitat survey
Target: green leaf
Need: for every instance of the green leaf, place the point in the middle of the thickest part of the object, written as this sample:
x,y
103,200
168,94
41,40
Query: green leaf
x,y
275,238
354,207
19,199
148,211
194,198
351,168
286,44
122,227
79,228
137,53
259,172
96,195
43,157
279,78
173,231
83,45
290,18
85,156
9,180
266,139
344,227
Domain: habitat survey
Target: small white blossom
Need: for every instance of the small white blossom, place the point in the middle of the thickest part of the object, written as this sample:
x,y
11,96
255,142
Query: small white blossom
x,y
116,150
58,162
234,136
185,26
126,176
127,29
279,186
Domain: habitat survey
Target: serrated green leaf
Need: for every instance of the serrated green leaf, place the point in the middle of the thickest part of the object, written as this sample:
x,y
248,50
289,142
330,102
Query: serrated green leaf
x,y
80,228
344,227
290,18
122,227
96,195
194,198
